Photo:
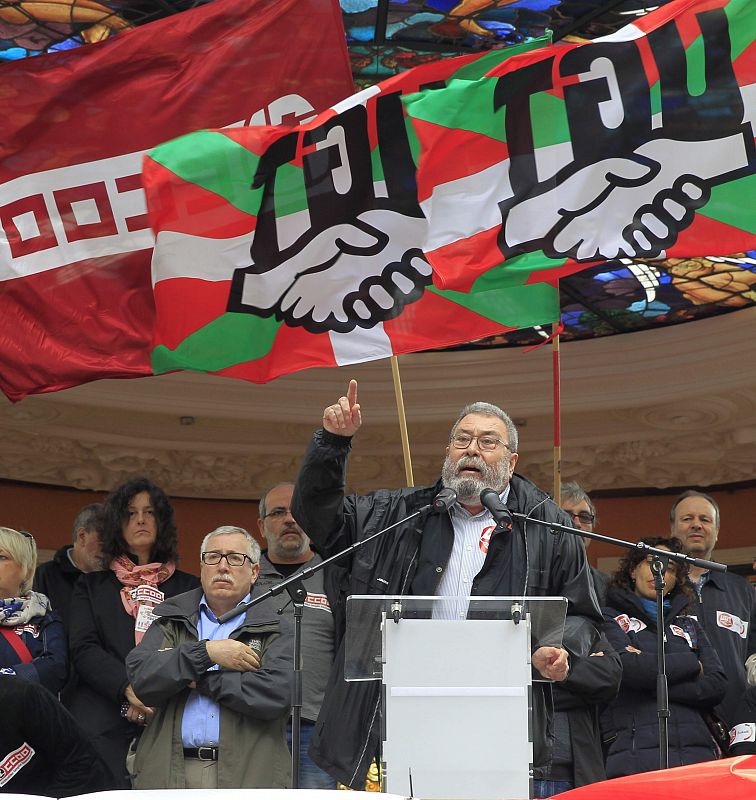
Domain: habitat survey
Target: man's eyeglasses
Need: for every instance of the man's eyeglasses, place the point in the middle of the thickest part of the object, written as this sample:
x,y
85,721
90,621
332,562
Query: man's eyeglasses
x,y
583,516
277,513
486,443
213,557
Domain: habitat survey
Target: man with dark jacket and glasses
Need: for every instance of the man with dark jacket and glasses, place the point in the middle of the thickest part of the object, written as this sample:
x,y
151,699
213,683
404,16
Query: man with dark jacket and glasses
x,y
221,689
448,554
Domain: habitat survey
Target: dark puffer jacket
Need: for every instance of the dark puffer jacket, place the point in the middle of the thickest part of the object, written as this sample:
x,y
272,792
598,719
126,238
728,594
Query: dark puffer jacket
x,y
695,678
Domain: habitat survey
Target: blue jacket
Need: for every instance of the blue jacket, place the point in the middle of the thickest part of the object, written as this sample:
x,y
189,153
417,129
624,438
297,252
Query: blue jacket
x,y
45,639
630,724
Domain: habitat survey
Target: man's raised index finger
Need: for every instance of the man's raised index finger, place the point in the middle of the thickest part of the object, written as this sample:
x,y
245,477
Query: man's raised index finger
x,y
352,393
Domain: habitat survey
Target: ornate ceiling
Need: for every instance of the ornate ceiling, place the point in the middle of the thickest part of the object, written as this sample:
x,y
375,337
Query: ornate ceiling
x,y
658,408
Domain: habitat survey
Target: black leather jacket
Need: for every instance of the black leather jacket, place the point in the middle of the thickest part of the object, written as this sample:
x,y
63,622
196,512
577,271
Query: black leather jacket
x,y
411,560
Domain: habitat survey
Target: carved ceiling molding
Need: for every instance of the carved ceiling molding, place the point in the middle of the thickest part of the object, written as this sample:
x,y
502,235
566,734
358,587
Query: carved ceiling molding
x,y
659,408
709,459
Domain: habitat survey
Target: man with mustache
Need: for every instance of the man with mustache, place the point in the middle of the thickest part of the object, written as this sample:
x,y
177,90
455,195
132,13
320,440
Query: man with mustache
x,y
455,554
288,553
221,690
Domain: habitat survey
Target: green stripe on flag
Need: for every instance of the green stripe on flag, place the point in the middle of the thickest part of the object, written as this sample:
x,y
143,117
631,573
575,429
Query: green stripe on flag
x,y
741,15
463,105
232,338
216,163
290,190
727,204
515,306
551,113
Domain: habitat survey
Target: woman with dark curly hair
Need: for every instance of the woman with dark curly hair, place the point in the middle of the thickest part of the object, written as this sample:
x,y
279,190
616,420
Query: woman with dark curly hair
x,y
112,609
630,725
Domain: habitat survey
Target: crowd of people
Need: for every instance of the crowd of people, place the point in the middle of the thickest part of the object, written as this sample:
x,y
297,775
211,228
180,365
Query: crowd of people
x,y
143,675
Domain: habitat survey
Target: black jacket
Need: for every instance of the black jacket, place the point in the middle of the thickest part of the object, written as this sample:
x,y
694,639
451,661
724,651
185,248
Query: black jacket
x,y
593,681
743,732
45,639
411,560
630,724
102,635
35,726
56,579
727,606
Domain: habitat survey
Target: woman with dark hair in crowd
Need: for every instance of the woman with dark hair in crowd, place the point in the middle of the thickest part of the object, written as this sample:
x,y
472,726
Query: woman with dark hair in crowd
x,y
32,638
112,609
630,725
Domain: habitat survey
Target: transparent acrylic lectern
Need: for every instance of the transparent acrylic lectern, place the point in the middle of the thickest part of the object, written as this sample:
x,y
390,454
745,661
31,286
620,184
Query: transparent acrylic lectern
x,y
456,676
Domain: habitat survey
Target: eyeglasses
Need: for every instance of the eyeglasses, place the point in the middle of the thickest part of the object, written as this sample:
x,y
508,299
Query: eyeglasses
x,y
277,513
583,516
213,557
486,443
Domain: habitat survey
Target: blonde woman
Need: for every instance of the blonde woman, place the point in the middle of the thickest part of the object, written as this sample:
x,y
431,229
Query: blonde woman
x,y
32,638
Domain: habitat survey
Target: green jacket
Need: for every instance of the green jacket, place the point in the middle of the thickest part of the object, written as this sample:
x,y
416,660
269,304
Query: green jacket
x,y
254,705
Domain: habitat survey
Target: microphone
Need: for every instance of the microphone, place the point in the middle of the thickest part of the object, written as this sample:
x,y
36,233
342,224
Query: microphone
x,y
491,500
443,501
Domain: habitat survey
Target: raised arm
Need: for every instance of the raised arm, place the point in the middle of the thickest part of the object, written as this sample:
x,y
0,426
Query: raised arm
x,y
318,500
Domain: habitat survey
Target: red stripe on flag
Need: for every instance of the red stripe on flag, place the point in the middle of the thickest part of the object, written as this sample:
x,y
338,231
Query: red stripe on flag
x,y
552,275
293,349
78,323
719,238
185,305
181,207
417,328
745,66
450,155
458,265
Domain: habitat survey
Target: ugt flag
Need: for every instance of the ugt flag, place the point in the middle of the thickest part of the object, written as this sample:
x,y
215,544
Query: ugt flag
x,y
75,244
640,144
280,249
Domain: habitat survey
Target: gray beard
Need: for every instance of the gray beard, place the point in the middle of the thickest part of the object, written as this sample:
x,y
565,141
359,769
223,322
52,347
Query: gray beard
x,y
468,487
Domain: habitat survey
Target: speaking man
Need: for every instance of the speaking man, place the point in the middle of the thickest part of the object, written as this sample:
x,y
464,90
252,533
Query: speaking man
x,y
453,553
221,690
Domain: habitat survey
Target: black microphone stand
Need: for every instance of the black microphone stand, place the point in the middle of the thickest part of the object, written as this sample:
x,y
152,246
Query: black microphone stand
x,y
659,564
294,585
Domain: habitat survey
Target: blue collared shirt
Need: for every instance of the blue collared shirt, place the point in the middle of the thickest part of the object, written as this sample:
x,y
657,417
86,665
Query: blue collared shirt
x,y
200,725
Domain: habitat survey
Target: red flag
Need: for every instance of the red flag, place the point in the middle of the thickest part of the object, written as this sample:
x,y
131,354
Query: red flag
x,y
75,244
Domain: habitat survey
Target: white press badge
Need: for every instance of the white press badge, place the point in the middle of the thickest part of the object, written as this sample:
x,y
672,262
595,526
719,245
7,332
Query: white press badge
x,y
678,631
147,597
732,623
630,624
745,732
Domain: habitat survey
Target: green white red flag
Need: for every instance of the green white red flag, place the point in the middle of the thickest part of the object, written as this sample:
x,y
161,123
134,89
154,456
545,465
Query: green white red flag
x,y
640,144
279,249
444,204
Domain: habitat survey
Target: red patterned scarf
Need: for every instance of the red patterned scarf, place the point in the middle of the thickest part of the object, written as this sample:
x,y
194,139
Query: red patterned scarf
x,y
139,592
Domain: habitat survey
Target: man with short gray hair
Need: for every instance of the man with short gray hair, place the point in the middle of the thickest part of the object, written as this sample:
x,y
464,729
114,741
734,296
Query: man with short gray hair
x,y
458,554
221,689
576,502
56,578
